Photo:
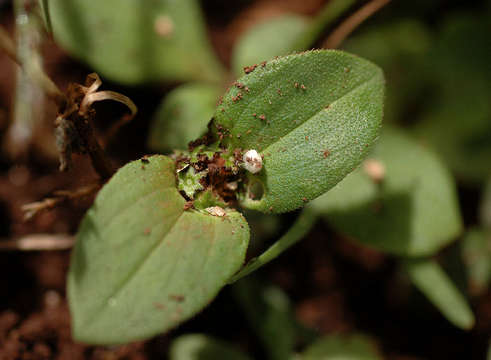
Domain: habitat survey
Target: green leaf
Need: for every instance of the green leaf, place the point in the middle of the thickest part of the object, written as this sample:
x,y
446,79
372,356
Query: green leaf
x,y
294,234
485,207
182,116
270,315
272,37
476,254
342,347
458,124
136,41
202,347
432,281
142,264
189,181
284,34
313,117
412,212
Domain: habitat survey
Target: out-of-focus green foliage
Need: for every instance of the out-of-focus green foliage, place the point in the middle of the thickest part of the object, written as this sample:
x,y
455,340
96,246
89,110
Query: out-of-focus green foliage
x,y
400,49
136,41
269,313
342,347
485,208
412,210
282,35
476,254
273,37
182,116
432,281
202,347
458,123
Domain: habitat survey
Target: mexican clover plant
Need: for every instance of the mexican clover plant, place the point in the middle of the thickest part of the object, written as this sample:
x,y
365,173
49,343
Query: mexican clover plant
x,y
165,234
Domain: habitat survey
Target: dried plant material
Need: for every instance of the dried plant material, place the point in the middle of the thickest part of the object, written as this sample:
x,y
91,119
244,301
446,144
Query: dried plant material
x,y
75,134
32,209
7,45
216,211
38,242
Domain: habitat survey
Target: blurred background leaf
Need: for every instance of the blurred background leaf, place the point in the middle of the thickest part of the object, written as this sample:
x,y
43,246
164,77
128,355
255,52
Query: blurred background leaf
x,y
411,211
133,42
432,281
283,35
342,347
399,48
270,316
458,122
485,207
182,116
476,254
202,347
266,40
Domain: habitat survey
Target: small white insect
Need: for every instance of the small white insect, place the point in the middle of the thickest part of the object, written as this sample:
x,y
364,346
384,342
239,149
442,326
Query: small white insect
x,y
253,162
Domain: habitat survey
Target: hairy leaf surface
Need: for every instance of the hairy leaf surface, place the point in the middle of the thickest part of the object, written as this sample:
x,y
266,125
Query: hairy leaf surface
x,y
312,116
142,264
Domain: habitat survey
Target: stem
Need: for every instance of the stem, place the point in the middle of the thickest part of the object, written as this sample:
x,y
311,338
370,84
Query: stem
x,y
299,229
352,22
28,107
35,72
61,196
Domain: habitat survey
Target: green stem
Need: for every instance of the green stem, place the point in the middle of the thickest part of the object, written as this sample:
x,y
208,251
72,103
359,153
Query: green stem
x,y
29,101
299,229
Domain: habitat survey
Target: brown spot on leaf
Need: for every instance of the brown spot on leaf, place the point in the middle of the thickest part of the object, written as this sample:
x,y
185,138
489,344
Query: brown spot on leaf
x,y
249,69
159,306
188,205
177,298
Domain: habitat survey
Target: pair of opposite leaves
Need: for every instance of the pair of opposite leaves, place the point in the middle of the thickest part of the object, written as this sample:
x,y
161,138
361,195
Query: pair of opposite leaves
x,y
143,264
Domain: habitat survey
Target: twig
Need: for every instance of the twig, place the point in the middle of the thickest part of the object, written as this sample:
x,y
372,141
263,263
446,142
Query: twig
x,y
352,22
37,242
32,209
